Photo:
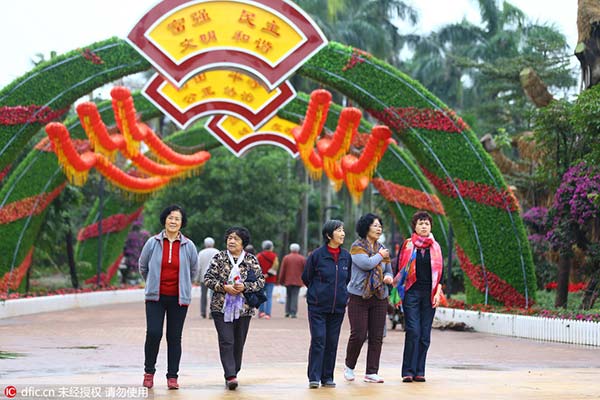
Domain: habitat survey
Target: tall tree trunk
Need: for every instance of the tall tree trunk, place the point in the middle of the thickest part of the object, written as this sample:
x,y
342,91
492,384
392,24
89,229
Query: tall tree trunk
x,y
591,291
562,289
71,259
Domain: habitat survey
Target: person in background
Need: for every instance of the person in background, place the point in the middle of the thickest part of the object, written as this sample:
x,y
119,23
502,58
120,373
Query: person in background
x,y
204,257
326,274
250,249
227,275
269,263
368,297
421,263
168,264
290,276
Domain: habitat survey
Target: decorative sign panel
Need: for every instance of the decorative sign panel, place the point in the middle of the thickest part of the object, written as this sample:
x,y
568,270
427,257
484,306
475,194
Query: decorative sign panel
x,y
238,137
223,92
269,39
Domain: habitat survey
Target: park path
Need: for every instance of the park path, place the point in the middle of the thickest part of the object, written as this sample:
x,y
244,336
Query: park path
x,y
102,347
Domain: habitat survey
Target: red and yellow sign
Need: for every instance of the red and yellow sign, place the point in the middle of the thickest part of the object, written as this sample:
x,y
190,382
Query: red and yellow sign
x,y
239,137
269,39
225,92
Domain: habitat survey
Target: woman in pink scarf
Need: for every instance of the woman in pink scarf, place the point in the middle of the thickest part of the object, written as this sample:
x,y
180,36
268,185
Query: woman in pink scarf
x,y
420,268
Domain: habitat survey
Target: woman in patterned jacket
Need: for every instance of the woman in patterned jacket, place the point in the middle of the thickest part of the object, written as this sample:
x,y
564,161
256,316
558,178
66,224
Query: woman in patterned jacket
x,y
230,274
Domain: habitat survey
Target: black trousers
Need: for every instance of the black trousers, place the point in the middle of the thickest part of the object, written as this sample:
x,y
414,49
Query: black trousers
x,y
155,317
203,299
232,337
291,301
324,336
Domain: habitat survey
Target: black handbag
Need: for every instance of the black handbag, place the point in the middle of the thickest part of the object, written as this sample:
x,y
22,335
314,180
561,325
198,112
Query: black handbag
x,y
254,299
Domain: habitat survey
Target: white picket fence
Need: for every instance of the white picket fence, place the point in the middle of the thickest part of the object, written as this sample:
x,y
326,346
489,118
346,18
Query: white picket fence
x,y
538,328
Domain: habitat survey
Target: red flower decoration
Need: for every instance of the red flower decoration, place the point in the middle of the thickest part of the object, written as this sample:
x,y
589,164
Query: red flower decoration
x,y
498,288
408,196
33,205
479,192
19,115
114,223
401,118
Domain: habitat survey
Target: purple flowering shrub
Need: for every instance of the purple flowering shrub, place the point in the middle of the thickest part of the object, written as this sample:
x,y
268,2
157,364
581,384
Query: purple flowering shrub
x,y
133,247
574,207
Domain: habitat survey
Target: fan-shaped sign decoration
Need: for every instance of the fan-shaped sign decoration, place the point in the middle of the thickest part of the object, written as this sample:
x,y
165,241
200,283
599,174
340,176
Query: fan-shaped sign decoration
x,y
239,137
222,91
269,39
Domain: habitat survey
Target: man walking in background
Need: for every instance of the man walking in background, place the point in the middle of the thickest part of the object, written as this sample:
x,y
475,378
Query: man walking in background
x,y
204,257
290,276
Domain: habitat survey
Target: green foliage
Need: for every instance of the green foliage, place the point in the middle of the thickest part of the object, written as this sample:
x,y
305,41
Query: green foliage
x,y
258,191
475,68
57,83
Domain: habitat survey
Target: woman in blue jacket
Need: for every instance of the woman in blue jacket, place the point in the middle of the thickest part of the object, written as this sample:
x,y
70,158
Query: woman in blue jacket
x,y
326,275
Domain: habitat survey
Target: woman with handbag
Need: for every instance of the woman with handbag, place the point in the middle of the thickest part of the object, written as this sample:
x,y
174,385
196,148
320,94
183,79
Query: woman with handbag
x,y
367,297
232,275
419,282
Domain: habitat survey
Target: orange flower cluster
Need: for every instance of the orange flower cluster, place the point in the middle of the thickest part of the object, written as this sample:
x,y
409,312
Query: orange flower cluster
x,y
77,166
33,205
329,152
12,279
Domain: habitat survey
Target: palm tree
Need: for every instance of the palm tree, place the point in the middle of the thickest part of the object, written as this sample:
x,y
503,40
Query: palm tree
x,y
365,24
475,68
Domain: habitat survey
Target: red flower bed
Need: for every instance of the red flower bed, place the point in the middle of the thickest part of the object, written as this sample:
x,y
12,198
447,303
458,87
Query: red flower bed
x,y
573,287
531,311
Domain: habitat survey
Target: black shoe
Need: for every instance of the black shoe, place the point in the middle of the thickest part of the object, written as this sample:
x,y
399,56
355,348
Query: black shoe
x,y
407,379
419,378
313,385
231,383
329,384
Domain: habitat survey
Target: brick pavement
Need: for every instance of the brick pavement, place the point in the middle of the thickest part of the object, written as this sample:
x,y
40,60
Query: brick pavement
x,y
104,345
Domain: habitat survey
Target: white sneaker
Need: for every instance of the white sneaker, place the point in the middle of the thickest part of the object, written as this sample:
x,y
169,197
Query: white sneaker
x,y
373,378
348,374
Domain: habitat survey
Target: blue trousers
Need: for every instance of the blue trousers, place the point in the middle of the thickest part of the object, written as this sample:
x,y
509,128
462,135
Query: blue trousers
x,y
324,336
266,306
418,318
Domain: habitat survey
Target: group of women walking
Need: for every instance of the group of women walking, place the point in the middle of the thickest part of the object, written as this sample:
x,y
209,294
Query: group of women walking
x,y
336,280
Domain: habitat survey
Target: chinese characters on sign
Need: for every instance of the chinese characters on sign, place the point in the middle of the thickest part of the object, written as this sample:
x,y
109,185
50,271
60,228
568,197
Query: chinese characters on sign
x,y
229,57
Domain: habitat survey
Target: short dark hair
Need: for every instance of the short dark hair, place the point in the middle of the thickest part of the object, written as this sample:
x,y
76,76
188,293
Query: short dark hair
x,y
418,216
168,210
242,232
329,227
364,223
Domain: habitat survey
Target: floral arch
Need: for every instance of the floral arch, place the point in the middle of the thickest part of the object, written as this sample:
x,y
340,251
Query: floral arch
x,y
441,167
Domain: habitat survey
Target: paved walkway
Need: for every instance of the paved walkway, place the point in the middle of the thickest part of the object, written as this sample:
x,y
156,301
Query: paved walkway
x,y
78,351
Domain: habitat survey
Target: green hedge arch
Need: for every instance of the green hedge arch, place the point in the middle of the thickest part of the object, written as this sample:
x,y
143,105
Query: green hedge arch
x,y
491,238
